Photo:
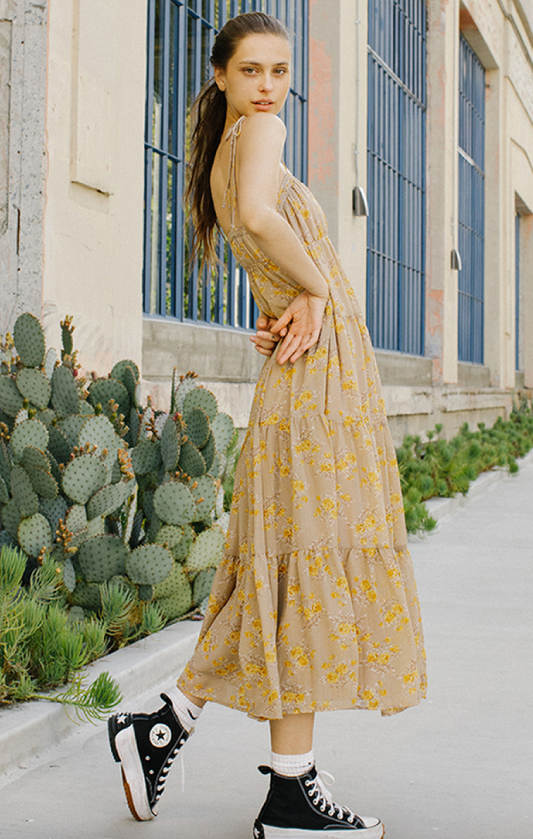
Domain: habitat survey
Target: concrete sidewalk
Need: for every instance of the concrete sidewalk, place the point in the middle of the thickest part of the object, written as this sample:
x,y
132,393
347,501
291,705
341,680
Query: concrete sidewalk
x,y
457,767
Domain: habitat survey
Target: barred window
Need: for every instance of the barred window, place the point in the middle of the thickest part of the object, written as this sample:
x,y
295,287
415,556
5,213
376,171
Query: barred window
x,y
396,174
180,38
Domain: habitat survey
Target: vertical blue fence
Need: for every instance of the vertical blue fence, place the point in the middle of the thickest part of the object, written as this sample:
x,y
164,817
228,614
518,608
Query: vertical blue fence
x,y
396,174
518,360
471,238
180,38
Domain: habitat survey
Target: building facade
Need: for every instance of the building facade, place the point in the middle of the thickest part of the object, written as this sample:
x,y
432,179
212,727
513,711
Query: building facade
x,y
411,121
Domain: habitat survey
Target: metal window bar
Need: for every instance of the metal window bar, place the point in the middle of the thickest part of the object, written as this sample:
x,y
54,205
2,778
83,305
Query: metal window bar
x,y
180,38
396,174
471,209
518,354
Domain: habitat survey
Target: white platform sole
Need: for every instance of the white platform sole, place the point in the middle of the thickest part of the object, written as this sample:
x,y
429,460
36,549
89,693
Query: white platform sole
x,y
375,830
133,775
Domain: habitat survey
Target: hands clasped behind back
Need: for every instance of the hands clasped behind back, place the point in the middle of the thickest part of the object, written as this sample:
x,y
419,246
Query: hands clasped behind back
x,y
298,328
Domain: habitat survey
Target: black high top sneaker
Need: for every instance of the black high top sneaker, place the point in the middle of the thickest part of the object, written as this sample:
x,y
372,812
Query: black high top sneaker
x,y
302,808
146,745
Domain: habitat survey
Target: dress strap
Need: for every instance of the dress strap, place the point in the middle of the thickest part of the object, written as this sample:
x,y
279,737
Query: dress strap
x,y
230,193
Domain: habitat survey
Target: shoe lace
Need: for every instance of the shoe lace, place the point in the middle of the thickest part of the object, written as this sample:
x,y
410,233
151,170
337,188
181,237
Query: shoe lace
x,y
322,798
166,769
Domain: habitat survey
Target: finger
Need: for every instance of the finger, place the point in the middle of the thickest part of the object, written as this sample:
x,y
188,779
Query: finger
x,y
290,345
264,351
282,322
262,322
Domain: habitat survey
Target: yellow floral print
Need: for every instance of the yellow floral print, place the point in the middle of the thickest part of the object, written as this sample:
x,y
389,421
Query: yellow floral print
x,y
314,605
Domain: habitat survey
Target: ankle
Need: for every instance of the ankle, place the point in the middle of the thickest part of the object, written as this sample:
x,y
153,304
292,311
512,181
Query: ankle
x,y
292,765
185,709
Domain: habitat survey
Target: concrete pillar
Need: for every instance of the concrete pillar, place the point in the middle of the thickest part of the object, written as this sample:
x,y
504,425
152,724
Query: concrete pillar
x,y
338,59
526,289
441,189
23,48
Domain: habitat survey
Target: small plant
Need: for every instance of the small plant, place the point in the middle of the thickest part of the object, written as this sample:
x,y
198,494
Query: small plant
x,y
41,649
439,467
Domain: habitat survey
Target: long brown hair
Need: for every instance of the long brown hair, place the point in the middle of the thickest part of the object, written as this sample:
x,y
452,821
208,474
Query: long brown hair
x,y
208,119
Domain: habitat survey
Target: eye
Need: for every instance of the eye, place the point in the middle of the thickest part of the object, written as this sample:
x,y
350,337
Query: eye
x,y
249,70
281,71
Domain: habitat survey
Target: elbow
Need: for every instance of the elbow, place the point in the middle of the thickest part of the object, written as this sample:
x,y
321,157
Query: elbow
x,y
256,220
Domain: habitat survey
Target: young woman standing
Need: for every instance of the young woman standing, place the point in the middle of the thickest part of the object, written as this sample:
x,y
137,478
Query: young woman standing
x,y
314,605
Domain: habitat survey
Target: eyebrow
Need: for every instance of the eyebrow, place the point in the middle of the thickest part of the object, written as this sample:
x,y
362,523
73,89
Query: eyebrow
x,y
258,63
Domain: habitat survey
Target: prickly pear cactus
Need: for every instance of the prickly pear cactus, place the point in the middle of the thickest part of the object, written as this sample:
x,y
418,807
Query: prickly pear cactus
x,y
130,513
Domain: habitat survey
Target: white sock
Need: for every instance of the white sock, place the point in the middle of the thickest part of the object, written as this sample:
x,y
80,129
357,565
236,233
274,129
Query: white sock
x,y
292,765
186,710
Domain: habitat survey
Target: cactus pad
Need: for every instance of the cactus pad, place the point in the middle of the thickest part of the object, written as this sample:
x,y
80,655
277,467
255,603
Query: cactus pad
x,y
170,445
119,368
146,456
130,383
191,460
202,585
223,431
83,477
109,498
145,593
149,564
205,494
11,518
134,426
69,575
29,433
172,584
199,397
23,492
181,550
29,340
223,522
4,494
65,397
174,503
169,536
34,386
102,390
53,510
102,557
208,451
34,534
43,482
45,416
177,604
10,397
206,551
71,427
99,432
76,518
58,444
96,526
87,596
32,457
197,427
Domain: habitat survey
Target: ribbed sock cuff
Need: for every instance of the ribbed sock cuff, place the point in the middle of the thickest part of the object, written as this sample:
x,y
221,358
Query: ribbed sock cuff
x,y
292,765
186,710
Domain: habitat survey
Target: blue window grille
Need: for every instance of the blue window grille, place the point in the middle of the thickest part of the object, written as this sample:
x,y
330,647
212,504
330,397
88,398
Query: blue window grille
x,y
518,360
396,174
180,38
471,238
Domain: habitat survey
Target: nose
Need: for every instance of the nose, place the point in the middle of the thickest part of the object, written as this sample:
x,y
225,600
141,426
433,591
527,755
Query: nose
x,y
266,82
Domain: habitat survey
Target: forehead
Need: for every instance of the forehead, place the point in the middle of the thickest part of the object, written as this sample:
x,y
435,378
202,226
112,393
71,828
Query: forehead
x,y
263,49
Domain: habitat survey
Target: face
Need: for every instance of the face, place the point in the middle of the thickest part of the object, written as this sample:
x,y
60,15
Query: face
x,y
257,76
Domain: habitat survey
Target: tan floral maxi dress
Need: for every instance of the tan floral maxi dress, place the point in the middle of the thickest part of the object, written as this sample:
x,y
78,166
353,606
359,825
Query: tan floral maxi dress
x,y
314,605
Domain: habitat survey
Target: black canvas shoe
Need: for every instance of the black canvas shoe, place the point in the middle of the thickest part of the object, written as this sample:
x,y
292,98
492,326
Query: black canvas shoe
x,y
146,745
302,808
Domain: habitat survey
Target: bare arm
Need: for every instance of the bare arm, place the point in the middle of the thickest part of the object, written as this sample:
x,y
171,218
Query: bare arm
x,y
260,149
259,155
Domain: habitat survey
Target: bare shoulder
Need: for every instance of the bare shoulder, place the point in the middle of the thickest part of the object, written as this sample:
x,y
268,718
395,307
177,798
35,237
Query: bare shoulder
x,y
268,127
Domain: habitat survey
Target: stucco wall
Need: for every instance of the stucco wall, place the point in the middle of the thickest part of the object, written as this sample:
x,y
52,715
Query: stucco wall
x,y
23,30
93,229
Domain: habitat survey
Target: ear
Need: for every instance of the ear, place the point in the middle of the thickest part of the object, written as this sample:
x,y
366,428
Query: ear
x,y
220,78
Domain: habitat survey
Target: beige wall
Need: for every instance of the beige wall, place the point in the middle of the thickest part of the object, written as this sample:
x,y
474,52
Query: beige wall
x,y
93,228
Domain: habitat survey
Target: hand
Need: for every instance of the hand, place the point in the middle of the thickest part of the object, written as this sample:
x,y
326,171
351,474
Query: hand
x,y
299,326
265,342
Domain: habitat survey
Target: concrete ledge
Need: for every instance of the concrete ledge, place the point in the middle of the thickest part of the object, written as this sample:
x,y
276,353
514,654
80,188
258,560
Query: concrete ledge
x,y
31,728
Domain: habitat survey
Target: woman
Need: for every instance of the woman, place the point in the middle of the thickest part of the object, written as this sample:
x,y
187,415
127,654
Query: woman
x,y
314,605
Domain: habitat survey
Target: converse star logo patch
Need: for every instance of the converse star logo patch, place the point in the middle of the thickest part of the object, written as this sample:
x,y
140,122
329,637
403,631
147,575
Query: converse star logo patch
x,y
160,735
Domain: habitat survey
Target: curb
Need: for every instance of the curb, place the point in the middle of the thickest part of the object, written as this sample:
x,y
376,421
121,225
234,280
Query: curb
x,y
29,729
439,508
